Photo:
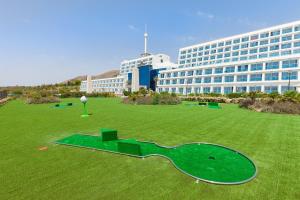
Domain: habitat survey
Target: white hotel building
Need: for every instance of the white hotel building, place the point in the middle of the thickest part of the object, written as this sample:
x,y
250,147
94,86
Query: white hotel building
x,y
266,60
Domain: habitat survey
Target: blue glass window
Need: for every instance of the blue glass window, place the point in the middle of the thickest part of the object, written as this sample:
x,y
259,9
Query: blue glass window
x,y
168,75
198,72
161,82
287,30
241,78
190,73
289,63
253,44
297,28
242,68
263,55
236,47
229,69
241,89
245,39
175,74
218,79
286,52
263,42
243,46
229,79
174,81
273,48
286,38
221,44
228,90
271,89
167,82
274,54
219,70
227,55
272,65
297,36
180,90
162,75
255,89
252,51
220,56
228,43
256,77
220,50
236,41
264,35
271,76
182,73
290,75
208,71
207,47
274,40
245,52
227,48
274,33
213,46
181,81
235,53
217,90
206,90
197,80
296,44
296,51
256,66
189,81
264,49
207,79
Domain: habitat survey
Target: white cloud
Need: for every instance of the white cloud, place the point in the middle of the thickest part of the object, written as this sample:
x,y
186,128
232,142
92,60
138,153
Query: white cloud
x,y
132,27
205,15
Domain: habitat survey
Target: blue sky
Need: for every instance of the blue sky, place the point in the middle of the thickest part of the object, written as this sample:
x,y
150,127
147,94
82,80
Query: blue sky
x,y
50,41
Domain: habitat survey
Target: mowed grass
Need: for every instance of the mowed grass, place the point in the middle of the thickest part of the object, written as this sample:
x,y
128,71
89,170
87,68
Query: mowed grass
x,y
272,141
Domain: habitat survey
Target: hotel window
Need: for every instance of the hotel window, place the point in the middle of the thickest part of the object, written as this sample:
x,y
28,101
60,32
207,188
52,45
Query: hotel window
x,y
296,51
200,59
228,90
274,40
168,75
219,70
189,81
217,90
227,48
274,54
242,68
221,44
253,57
297,28
206,53
236,41
208,71
286,38
256,67
286,46
229,79
287,88
175,74
220,56
255,89
254,37
212,57
256,77
182,73
271,89
272,65
180,90
243,46
289,63
287,30
264,35
174,81
271,76
264,49
206,90
188,90
162,75
226,55
242,78
181,81
197,90
207,79
236,47
228,43
195,49
253,44
241,89
167,82
161,82
297,36
198,72
218,79
235,53
286,52
190,73
229,69
244,52
264,42
194,55
252,51
190,50
245,39
289,75
207,47
213,46
296,44
274,33
220,50
274,47
197,80
213,51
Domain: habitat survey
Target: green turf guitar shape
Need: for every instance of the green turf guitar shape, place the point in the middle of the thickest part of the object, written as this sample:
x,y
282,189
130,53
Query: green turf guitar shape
x,y
206,162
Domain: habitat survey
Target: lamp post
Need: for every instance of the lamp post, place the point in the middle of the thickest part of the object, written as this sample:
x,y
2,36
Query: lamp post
x,y
83,100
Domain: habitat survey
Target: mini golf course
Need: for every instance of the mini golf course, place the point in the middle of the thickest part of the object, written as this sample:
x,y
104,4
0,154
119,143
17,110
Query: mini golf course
x,y
207,162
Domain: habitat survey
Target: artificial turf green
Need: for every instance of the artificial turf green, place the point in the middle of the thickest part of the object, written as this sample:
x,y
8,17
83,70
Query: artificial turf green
x,y
272,141
206,162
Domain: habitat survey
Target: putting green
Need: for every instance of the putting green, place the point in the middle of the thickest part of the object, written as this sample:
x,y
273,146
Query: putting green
x,y
206,162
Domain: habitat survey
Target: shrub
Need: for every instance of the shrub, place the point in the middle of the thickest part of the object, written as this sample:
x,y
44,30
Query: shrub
x,y
153,99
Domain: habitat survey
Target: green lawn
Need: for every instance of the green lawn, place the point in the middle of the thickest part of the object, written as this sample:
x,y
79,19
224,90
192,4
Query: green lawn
x,y
272,141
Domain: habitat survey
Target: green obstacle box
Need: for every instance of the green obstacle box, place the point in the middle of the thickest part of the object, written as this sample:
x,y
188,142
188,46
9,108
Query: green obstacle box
x,y
108,134
129,147
214,105
202,104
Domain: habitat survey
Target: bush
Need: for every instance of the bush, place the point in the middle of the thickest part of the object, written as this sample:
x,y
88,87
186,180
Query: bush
x,y
153,99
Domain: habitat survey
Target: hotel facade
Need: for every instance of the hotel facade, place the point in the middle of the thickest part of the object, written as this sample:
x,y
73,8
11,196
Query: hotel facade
x,y
266,60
